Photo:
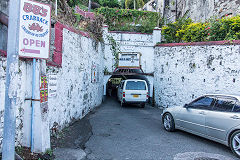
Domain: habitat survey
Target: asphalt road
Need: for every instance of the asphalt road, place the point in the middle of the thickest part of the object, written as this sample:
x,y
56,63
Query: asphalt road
x,y
135,133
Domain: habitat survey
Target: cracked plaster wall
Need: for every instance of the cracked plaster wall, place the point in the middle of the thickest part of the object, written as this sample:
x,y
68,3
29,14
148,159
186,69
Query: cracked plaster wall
x,y
132,42
76,93
183,73
21,87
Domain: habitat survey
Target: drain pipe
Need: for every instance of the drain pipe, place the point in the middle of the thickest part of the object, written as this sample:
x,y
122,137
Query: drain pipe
x,y
33,98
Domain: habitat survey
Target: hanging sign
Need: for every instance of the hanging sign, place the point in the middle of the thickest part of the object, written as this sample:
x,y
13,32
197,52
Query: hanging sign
x,y
34,30
52,86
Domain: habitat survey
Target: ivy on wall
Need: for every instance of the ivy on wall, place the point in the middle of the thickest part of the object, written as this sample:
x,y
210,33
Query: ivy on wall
x,y
115,48
184,30
130,20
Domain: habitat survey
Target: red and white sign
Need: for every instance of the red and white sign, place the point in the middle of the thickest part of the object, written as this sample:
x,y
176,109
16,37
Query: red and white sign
x,y
34,31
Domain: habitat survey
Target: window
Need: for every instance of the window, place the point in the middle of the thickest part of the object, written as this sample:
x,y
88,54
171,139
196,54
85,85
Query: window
x,y
202,103
135,85
236,107
224,104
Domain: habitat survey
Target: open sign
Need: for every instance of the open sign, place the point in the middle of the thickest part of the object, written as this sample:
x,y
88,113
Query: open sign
x,y
34,30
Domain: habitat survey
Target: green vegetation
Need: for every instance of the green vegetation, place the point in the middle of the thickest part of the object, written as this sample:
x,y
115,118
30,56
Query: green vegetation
x,y
117,19
103,3
170,30
130,3
115,48
130,20
184,30
109,3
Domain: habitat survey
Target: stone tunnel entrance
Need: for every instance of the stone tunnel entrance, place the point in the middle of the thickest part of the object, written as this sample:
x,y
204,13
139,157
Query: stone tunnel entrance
x,y
122,74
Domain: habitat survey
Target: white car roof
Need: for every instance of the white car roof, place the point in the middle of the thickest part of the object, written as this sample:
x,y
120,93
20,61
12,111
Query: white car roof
x,y
135,80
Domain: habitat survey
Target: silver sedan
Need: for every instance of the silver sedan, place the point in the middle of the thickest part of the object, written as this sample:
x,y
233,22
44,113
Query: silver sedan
x,y
216,117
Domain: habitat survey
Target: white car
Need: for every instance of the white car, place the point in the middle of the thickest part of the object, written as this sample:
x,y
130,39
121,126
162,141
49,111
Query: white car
x,y
216,117
133,91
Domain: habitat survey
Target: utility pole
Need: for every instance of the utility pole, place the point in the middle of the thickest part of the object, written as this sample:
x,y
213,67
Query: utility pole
x,y
176,10
134,4
89,6
56,7
8,150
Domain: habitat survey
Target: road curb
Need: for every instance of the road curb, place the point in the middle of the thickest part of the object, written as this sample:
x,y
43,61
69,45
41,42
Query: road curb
x,y
69,154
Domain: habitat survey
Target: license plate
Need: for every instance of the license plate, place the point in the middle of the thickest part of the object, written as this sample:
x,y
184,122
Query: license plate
x,y
135,96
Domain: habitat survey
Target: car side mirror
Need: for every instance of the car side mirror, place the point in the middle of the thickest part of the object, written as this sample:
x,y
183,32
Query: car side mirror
x,y
186,106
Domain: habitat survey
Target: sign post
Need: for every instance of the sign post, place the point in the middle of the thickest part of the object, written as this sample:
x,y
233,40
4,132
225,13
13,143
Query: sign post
x,y
8,150
34,40
28,36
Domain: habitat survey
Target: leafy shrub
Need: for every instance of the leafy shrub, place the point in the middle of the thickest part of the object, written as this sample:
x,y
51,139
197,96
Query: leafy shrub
x,y
130,4
130,20
109,3
227,28
73,3
194,32
172,31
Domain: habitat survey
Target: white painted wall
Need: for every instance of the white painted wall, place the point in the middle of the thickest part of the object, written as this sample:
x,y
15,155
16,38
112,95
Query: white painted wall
x,y
20,98
133,42
183,73
76,93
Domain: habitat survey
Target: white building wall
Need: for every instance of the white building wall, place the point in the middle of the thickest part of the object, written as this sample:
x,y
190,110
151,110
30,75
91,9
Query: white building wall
x,y
183,73
133,42
76,95
20,85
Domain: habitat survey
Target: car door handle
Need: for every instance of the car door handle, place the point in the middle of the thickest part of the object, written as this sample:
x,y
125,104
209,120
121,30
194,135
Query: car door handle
x,y
202,113
235,117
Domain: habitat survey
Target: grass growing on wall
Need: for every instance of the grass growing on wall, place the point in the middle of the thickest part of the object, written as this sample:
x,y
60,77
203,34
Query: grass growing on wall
x,y
130,20
184,30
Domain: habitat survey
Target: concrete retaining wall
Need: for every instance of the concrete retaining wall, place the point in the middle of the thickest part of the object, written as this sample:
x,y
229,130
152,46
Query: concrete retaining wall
x,y
132,42
79,88
186,71
77,92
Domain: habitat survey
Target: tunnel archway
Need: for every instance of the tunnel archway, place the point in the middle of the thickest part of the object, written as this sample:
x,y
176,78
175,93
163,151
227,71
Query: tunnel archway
x,y
122,73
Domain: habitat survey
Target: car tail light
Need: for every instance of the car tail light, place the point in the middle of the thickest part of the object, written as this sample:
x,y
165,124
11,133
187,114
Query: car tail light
x,y
147,95
123,94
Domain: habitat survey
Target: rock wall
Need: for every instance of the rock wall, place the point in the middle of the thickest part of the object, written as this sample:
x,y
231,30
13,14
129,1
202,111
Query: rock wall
x,y
184,72
204,9
198,10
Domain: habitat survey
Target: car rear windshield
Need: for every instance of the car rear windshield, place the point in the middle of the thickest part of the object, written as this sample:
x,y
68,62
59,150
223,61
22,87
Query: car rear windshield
x,y
135,85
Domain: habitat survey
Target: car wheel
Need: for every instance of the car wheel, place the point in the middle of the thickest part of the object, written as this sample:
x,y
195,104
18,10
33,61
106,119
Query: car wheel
x,y
235,143
142,105
168,122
